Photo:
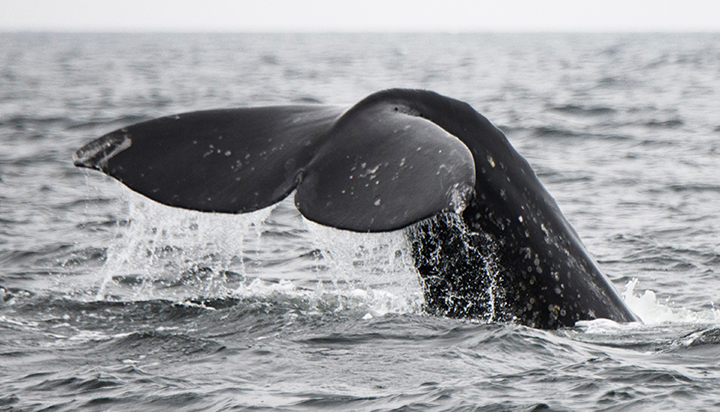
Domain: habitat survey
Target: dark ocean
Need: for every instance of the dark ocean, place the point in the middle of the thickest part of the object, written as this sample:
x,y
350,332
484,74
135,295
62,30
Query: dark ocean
x,y
109,302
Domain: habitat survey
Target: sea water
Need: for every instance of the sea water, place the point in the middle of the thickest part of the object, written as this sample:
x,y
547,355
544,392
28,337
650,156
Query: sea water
x,y
109,301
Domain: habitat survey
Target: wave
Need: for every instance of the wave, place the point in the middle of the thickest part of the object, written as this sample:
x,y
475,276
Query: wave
x,y
20,121
262,259
592,111
555,132
52,123
109,123
647,307
695,188
281,298
701,337
664,124
158,343
559,132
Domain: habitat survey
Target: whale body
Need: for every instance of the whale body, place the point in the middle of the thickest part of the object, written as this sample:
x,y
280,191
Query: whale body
x,y
487,239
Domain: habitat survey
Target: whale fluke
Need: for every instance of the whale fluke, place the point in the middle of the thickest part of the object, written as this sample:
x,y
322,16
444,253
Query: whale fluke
x,y
499,247
375,167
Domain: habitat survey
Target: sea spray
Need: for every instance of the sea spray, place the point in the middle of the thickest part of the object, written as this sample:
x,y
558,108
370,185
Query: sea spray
x,y
460,271
652,312
376,268
181,255
163,248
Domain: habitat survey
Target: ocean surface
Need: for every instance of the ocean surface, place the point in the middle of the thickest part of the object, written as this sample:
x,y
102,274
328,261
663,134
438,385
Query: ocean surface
x,y
110,302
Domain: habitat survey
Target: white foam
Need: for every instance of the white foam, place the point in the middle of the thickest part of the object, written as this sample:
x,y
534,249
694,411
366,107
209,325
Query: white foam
x,y
652,312
366,303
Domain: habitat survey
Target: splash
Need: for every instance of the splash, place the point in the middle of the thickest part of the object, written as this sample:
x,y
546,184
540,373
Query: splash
x,y
374,268
459,269
164,247
181,255
353,302
652,312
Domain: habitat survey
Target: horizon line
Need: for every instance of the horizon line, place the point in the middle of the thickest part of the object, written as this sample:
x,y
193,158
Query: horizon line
x,y
379,31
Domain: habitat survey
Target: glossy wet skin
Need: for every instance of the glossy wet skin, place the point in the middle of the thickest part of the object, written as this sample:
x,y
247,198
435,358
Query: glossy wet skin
x,y
396,158
546,276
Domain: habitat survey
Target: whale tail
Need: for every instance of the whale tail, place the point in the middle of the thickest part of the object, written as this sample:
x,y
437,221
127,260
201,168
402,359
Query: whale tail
x,y
395,158
377,166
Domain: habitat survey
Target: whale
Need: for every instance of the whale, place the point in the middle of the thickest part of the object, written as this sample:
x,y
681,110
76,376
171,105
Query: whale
x,y
487,239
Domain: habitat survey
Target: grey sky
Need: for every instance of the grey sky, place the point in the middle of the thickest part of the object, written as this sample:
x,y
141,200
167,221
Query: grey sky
x,y
360,15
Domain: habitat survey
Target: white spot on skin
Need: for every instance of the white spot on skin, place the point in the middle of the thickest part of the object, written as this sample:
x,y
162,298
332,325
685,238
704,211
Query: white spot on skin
x,y
491,161
545,231
369,173
228,153
528,252
377,202
520,219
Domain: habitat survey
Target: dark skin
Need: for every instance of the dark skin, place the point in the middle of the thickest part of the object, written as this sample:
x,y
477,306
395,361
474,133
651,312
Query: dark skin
x,y
511,237
488,240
